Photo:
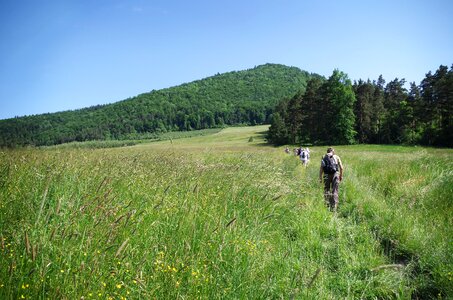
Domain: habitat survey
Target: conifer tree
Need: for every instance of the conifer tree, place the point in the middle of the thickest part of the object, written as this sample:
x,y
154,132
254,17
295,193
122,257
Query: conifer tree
x,y
378,110
393,125
339,99
311,111
364,92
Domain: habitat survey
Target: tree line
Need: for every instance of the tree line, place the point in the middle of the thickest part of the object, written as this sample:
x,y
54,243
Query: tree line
x,y
235,98
337,111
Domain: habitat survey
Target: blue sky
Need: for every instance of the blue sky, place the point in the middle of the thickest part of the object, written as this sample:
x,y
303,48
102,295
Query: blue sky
x,y
60,55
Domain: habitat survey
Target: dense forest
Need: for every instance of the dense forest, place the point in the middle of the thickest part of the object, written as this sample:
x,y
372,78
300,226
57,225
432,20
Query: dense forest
x,y
242,97
337,111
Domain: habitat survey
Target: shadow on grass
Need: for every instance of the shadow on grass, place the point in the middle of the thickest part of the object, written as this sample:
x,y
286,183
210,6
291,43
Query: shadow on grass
x,y
263,135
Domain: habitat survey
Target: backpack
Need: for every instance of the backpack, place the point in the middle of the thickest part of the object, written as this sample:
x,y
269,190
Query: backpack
x,y
302,155
330,165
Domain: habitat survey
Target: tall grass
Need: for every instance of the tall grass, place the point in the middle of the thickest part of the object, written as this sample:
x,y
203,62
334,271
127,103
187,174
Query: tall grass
x,y
406,200
216,217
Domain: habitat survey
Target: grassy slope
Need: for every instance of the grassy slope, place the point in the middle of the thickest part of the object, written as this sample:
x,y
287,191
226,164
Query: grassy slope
x,y
221,217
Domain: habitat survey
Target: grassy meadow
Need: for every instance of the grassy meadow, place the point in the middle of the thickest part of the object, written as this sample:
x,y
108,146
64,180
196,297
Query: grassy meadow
x,y
224,216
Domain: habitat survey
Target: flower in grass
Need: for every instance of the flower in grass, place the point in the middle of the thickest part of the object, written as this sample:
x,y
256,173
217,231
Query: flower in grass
x,y
177,284
119,285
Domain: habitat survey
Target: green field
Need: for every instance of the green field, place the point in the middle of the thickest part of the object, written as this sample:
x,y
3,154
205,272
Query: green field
x,y
224,216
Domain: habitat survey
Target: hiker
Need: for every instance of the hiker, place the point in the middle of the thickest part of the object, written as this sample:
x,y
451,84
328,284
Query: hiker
x,y
304,157
332,169
287,150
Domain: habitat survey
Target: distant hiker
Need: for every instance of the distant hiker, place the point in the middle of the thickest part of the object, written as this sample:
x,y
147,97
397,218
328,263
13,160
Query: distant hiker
x,y
304,157
332,168
287,150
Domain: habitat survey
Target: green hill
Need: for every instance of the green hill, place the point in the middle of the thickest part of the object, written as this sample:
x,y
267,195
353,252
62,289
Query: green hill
x,y
239,97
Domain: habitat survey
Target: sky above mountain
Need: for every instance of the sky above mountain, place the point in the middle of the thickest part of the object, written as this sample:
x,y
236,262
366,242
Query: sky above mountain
x,y
60,55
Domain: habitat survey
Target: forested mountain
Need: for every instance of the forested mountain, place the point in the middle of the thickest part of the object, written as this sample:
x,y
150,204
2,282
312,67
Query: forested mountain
x,y
337,111
240,97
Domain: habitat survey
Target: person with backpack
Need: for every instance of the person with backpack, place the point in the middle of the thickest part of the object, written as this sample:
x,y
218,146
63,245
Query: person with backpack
x,y
298,150
331,171
304,157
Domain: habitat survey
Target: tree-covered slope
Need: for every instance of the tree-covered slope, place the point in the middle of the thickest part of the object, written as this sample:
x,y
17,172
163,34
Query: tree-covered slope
x,y
239,97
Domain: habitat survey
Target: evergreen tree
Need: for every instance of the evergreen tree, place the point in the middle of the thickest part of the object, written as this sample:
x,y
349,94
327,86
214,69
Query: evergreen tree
x,y
364,92
393,125
437,102
294,118
278,133
378,110
415,129
339,98
312,112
